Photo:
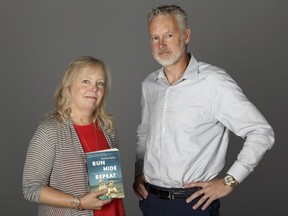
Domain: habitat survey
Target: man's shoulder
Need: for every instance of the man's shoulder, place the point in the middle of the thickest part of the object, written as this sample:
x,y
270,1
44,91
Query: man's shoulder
x,y
210,72
152,76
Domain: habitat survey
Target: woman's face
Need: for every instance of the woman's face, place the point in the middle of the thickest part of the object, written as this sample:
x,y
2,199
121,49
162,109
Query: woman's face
x,y
87,91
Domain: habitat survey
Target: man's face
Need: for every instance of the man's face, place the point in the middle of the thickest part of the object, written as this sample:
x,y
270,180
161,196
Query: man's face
x,y
168,43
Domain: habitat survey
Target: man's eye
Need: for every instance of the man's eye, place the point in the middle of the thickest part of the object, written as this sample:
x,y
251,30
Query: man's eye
x,y
154,39
168,36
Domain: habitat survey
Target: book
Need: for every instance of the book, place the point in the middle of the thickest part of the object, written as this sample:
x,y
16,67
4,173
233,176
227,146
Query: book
x,y
104,171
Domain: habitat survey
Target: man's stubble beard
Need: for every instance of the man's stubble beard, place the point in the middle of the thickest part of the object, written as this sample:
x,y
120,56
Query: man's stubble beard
x,y
173,59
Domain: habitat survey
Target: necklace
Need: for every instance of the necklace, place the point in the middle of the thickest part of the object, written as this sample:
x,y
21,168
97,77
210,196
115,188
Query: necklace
x,y
87,135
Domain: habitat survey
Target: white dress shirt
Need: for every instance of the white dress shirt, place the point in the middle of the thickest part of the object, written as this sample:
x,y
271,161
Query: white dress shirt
x,y
184,132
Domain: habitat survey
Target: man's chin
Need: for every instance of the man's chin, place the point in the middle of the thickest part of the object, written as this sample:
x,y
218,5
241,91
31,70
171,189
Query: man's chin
x,y
164,62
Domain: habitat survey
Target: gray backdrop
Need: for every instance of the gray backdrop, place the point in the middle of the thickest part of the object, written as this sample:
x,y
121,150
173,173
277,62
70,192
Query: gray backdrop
x,y
39,38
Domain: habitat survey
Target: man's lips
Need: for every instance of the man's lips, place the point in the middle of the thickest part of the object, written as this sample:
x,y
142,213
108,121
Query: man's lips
x,y
164,52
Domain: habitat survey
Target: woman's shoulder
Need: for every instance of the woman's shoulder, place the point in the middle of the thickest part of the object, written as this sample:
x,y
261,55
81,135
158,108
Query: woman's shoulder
x,y
48,120
111,134
50,123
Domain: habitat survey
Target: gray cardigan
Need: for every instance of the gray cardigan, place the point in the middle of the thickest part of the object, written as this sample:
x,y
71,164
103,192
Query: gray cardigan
x,y
55,158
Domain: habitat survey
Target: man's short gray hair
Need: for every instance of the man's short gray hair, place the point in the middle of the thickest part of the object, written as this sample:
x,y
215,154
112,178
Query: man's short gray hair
x,y
175,10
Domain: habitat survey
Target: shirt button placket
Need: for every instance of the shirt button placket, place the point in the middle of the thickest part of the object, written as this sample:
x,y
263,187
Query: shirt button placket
x,y
163,135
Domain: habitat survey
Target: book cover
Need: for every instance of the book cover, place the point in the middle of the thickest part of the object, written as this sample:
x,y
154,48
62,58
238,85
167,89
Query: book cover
x,y
104,171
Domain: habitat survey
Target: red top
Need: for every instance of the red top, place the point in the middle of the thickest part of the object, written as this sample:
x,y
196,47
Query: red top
x,y
92,139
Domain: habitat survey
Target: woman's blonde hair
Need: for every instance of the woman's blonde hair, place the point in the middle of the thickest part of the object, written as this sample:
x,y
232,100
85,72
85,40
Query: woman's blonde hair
x,y
62,94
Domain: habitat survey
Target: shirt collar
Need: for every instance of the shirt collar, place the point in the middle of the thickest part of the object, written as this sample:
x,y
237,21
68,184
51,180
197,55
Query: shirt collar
x,y
190,73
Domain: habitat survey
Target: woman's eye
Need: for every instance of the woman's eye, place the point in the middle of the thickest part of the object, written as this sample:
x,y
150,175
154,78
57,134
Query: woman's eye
x,y
101,83
85,81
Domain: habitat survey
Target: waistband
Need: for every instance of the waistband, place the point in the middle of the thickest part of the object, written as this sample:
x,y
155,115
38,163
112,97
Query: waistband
x,y
171,193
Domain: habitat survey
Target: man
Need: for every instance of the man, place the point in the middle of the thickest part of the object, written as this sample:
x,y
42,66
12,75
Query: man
x,y
188,109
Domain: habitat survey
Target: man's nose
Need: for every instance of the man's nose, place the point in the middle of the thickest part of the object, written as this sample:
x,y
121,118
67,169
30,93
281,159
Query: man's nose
x,y
162,42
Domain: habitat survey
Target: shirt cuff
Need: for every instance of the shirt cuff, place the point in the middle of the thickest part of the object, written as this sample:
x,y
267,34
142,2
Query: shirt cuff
x,y
238,171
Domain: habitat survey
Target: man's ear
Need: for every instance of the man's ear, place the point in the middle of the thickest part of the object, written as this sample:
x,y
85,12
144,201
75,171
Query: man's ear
x,y
187,35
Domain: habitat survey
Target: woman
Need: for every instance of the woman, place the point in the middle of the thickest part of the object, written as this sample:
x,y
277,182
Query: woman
x,y
55,172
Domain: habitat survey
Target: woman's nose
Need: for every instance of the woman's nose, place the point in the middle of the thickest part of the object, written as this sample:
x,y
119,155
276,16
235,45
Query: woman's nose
x,y
94,87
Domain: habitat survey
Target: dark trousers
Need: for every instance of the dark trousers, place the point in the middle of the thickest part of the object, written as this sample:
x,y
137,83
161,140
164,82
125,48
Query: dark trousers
x,y
154,206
